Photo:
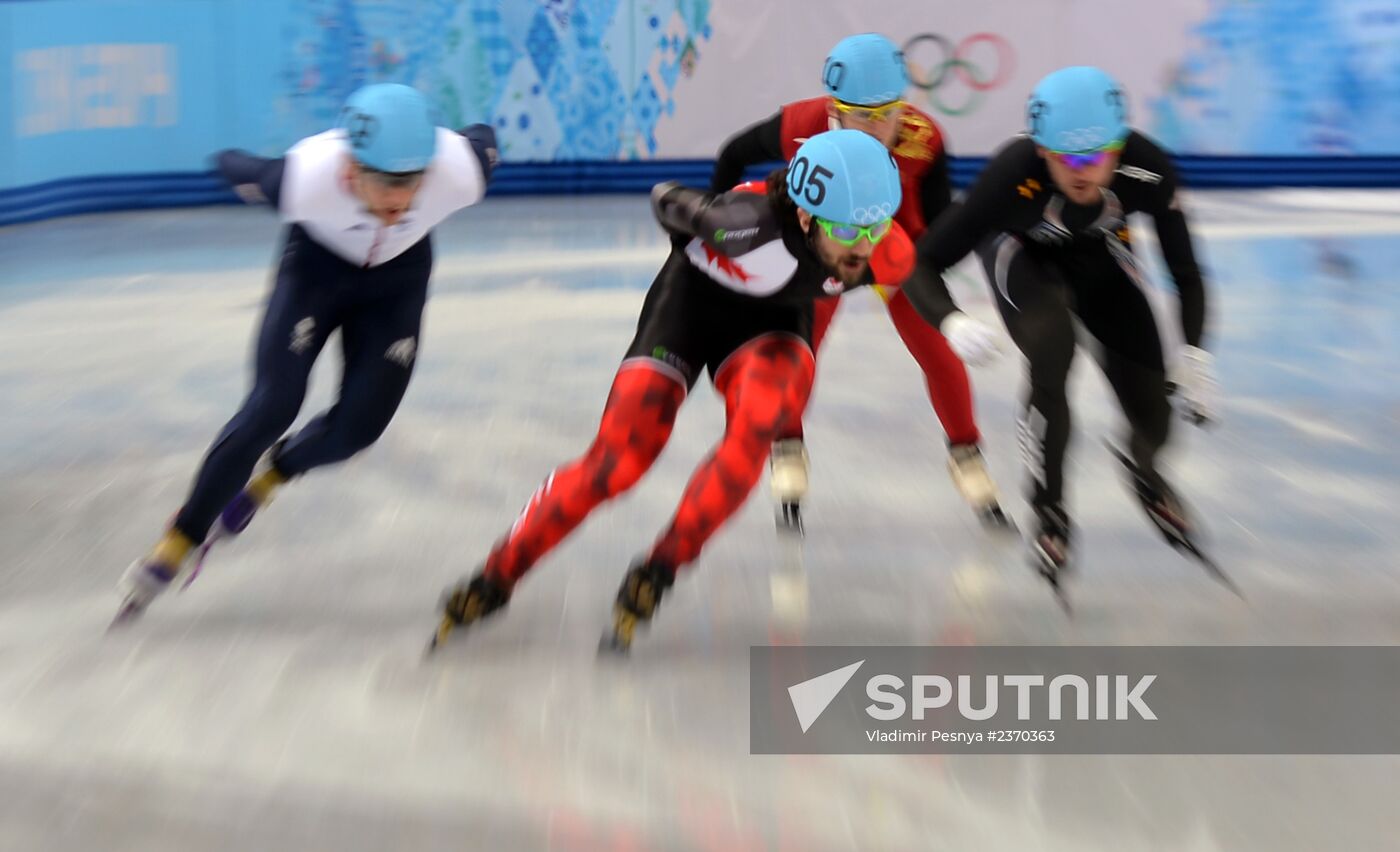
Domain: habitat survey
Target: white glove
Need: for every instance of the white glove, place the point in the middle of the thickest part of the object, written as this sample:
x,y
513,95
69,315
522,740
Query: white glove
x,y
1196,387
971,340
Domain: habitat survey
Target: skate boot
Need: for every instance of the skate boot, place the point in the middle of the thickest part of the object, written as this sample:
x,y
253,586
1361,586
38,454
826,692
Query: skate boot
x,y
1165,511
467,602
970,476
239,512
1170,516
637,600
141,584
1161,505
1050,549
146,578
789,464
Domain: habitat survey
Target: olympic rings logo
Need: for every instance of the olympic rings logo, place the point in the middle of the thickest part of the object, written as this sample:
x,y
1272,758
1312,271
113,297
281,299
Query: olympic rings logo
x,y
935,63
872,214
1080,139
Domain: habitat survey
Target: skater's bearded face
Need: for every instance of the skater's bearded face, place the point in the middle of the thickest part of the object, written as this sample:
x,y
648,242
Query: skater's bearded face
x,y
845,258
881,121
1081,176
387,197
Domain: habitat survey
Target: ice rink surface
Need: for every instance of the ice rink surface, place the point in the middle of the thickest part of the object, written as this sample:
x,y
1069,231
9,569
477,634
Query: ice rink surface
x,y
283,703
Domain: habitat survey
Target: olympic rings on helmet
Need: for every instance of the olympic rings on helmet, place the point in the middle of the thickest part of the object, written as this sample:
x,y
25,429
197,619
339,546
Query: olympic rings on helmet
x,y
870,215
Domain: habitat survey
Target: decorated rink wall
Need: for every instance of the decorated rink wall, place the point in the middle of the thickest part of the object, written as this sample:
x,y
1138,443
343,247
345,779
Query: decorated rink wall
x,y
118,103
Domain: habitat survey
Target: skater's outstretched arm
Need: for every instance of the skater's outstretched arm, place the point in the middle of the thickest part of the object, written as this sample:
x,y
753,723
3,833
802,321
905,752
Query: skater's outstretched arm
x,y
1193,376
732,223
759,143
958,230
1175,239
928,293
255,179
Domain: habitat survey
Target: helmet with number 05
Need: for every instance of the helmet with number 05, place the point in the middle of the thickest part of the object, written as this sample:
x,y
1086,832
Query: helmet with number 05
x,y
844,176
1076,110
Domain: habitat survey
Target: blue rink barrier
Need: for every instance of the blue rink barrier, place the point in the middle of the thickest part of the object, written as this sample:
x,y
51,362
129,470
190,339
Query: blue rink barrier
x,y
183,189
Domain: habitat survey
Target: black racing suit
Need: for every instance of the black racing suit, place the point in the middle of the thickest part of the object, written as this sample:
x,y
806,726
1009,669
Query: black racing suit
x,y
1051,261
740,267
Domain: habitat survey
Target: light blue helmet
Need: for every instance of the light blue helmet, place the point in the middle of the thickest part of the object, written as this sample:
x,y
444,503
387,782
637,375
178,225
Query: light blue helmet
x,y
390,128
1077,109
844,176
865,70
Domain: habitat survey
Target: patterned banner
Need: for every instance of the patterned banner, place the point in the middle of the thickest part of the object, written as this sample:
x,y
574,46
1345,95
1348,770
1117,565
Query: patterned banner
x,y
116,87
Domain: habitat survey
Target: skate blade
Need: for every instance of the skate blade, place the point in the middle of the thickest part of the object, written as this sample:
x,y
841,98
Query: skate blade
x,y
613,645
617,642
440,636
1179,540
128,613
790,519
1054,576
1211,567
1061,594
793,561
995,520
1121,456
198,565
1185,545
1128,465
217,533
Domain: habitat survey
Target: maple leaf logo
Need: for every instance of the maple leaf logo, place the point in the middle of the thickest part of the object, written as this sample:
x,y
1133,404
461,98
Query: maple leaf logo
x,y
726,264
